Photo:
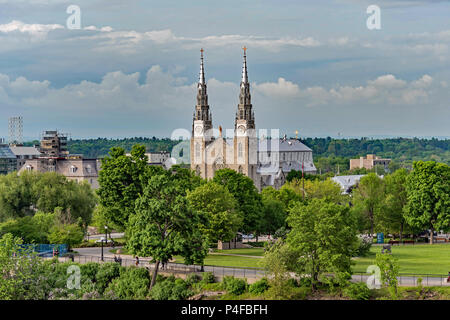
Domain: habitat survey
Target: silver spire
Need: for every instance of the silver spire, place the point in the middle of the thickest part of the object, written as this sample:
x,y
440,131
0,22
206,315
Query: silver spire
x,y
201,78
244,68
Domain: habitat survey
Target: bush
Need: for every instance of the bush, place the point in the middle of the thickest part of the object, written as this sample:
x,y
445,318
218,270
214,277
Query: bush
x,y
233,285
208,277
132,283
170,289
192,278
105,274
259,286
259,244
89,271
357,291
288,292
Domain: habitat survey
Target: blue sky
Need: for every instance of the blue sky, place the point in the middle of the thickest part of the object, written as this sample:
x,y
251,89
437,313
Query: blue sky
x,y
314,66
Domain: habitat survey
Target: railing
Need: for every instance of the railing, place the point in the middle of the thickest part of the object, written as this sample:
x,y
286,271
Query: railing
x,y
404,279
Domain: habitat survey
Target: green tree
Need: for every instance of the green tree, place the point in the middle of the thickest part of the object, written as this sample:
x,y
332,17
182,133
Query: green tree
x,y
368,198
122,180
244,191
70,234
428,192
274,212
164,223
396,199
323,235
389,271
218,207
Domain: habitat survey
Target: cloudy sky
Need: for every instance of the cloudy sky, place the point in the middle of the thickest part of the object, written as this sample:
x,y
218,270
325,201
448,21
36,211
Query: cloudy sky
x,y
131,69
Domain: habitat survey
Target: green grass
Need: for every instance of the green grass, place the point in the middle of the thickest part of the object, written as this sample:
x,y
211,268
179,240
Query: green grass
x,y
427,259
257,252
227,261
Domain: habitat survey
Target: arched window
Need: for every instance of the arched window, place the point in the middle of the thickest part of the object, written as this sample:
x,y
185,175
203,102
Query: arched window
x,y
240,152
240,169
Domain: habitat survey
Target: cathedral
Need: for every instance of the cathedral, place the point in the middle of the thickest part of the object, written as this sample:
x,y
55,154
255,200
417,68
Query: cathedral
x,y
265,161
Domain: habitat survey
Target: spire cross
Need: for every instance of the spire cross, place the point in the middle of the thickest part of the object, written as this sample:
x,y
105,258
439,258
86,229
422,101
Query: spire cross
x,y
245,49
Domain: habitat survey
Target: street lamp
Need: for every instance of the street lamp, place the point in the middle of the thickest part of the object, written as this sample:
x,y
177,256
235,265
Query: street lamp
x,y
106,239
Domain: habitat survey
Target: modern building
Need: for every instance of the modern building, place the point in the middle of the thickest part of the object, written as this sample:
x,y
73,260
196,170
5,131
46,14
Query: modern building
x,y
244,152
369,162
8,161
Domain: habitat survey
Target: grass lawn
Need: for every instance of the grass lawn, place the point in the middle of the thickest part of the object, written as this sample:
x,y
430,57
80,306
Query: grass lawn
x,y
227,261
257,252
426,259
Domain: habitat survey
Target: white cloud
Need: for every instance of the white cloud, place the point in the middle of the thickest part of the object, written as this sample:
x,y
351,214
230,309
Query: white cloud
x,y
37,30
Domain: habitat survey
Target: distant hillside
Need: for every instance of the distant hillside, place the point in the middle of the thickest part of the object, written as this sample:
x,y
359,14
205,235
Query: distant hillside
x,y
399,149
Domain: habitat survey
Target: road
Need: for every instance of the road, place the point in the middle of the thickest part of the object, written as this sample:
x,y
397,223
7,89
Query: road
x,y
94,254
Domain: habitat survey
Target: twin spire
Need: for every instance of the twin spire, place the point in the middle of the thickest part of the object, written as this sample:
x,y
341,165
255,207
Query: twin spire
x,y
244,107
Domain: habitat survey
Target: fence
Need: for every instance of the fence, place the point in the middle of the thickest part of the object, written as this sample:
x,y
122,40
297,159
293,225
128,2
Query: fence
x,y
405,279
410,279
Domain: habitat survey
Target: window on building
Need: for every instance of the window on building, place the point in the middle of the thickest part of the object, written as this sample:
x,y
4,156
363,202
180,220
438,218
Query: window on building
x,y
240,152
197,150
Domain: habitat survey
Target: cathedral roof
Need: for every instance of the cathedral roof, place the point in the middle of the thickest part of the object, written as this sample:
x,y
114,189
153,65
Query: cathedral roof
x,y
285,145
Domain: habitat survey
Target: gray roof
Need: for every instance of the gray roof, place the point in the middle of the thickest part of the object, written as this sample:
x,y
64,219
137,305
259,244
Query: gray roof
x,y
25,151
287,145
347,181
6,153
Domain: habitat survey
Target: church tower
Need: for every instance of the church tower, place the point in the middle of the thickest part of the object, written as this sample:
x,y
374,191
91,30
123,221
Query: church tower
x,y
201,124
245,142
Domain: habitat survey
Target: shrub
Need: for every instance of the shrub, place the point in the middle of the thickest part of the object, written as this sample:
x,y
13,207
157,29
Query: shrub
x,y
170,289
89,271
192,278
288,292
259,286
259,244
233,285
208,277
105,274
132,283
357,291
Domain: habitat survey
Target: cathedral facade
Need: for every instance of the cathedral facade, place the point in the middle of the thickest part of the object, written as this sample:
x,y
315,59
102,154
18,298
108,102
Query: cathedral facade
x,y
241,150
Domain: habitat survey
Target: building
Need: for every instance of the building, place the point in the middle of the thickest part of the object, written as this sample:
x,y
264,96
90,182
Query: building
x,y
347,183
25,153
54,157
8,161
244,152
157,158
369,162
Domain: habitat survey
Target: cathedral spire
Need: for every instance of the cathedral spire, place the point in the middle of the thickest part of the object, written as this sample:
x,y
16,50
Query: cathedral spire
x,y
201,78
244,68
202,112
244,113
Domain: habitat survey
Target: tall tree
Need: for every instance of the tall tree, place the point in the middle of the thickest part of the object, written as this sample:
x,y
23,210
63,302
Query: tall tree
x,y
121,182
246,194
164,224
395,202
428,192
274,211
218,207
368,197
323,235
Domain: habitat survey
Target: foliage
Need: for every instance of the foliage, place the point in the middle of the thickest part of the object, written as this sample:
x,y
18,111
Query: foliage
x,y
323,237
121,182
32,229
70,234
22,195
244,191
259,286
132,284
274,212
105,274
365,243
170,289
428,193
318,189
218,207
164,224
234,285
357,291
389,271
208,277
368,198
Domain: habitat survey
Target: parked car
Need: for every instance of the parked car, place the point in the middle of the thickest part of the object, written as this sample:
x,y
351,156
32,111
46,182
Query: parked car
x,y
102,239
247,236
